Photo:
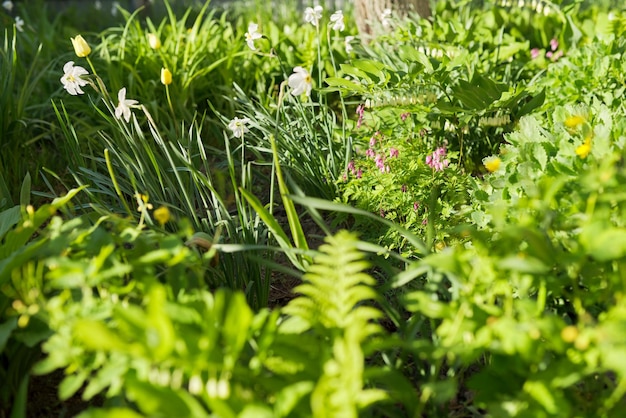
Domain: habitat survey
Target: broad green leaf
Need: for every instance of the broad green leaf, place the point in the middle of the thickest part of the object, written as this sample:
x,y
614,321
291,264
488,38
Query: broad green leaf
x,y
608,244
25,191
156,400
542,394
256,411
532,104
424,303
289,397
110,413
523,264
6,328
8,219
70,385
410,54
95,335
343,83
372,67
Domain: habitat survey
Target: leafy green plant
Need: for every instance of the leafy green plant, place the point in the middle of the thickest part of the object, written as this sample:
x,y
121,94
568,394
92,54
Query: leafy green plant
x,y
21,285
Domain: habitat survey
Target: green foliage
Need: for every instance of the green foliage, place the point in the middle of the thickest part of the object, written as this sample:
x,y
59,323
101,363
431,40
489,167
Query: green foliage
x,y
490,138
123,324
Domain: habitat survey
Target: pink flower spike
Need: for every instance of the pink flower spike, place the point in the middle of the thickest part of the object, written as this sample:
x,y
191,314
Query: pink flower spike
x,y
372,141
416,206
370,153
404,116
393,153
359,173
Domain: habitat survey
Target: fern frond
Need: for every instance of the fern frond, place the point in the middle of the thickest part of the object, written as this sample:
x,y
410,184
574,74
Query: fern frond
x,y
334,303
336,288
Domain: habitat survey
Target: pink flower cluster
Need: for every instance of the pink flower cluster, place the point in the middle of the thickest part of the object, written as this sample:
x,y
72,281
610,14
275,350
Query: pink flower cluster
x,y
358,173
360,110
553,54
437,160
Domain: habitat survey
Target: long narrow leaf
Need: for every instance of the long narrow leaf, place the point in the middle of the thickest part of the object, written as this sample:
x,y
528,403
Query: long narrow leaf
x,y
339,207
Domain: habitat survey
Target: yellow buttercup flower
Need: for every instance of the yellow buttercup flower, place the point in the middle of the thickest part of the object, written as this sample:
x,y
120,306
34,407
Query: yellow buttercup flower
x,y
166,76
162,215
492,163
574,120
583,150
154,41
81,47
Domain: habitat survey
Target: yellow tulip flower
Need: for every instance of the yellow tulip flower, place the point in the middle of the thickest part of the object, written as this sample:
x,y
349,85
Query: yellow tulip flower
x,y
81,47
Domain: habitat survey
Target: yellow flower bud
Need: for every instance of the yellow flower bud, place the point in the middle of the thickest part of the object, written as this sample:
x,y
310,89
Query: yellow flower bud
x,y
81,47
154,41
166,76
492,163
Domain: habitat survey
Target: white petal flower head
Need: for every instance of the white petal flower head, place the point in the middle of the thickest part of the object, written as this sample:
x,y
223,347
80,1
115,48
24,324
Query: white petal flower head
x,y
385,18
123,107
239,126
300,82
313,15
348,41
19,23
8,5
337,19
72,81
252,34
114,8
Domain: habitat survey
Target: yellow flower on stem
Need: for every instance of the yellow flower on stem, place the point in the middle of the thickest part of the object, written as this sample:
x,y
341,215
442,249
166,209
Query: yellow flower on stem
x,y
492,163
81,47
166,76
142,202
162,215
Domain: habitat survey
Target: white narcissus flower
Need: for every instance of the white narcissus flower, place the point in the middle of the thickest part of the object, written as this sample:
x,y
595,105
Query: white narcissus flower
x,y
252,34
19,23
123,107
72,81
8,5
300,82
337,19
313,15
239,126
385,18
114,8
348,45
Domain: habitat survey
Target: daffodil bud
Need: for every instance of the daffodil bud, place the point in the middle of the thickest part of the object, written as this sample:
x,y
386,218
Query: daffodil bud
x,y
81,47
154,41
166,76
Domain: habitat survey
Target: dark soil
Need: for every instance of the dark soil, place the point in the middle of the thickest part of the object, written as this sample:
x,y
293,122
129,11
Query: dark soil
x,y
43,398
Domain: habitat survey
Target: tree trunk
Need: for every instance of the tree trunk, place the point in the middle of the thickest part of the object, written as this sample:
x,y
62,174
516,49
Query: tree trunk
x,y
368,13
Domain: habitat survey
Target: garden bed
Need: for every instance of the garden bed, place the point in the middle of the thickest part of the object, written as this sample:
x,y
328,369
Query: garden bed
x,y
236,213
